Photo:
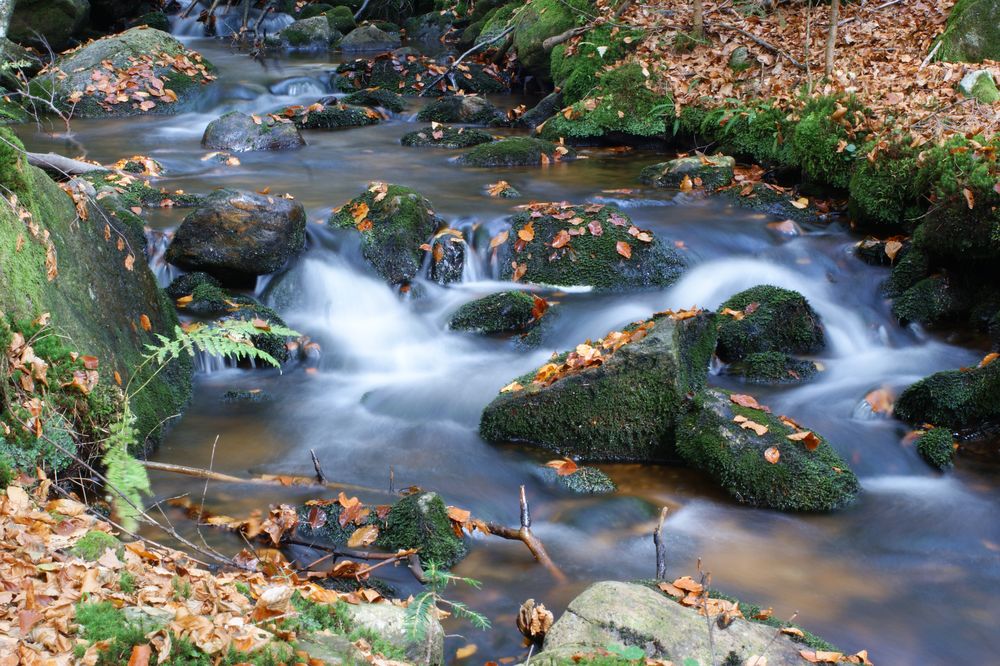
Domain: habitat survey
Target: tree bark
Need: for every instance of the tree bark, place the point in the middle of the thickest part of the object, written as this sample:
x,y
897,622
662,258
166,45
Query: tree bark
x,y
698,20
831,38
6,9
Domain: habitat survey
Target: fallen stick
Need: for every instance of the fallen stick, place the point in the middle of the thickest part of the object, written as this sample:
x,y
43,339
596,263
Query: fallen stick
x,y
525,536
661,547
555,40
930,56
60,165
873,9
749,35
461,58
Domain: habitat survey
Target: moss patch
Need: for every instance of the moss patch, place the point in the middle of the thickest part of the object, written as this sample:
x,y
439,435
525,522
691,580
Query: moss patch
x,y
515,151
774,320
953,399
446,137
376,97
937,447
503,312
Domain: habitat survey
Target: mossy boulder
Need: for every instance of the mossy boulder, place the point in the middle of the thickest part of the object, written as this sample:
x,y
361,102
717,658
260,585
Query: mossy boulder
x,y
48,23
446,137
931,300
369,38
737,457
980,86
392,229
238,132
377,98
330,116
236,236
959,400
120,59
702,171
421,521
911,268
586,246
972,33
575,68
774,320
773,368
584,481
341,19
825,141
505,312
469,109
11,111
538,20
98,296
187,283
410,74
623,409
770,200
516,151
308,34
937,447
884,191
157,20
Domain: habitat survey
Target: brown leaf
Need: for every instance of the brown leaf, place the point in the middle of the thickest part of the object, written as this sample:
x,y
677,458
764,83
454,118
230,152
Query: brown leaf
x,y
519,271
363,536
808,439
745,400
892,248
880,400
563,467
140,655
624,249
499,239
970,198
527,233
145,323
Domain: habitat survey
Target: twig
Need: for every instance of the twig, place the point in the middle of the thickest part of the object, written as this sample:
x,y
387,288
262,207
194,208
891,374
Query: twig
x,y
749,35
661,547
873,9
199,473
320,477
61,165
757,661
525,536
930,56
554,41
461,58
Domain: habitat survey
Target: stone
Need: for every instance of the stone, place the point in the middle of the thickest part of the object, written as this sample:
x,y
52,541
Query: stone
x,y
236,236
773,320
505,312
980,85
972,33
238,132
368,38
308,34
516,151
446,137
961,400
469,109
48,23
713,172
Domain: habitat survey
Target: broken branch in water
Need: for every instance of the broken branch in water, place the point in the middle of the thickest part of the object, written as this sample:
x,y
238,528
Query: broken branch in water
x,y
661,547
60,165
525,535
462,57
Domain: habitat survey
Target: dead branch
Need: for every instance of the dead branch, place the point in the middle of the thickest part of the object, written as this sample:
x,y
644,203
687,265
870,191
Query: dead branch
x,y
462,57
757,40
320,477
525,536
873,9
661,547
61,165
556,40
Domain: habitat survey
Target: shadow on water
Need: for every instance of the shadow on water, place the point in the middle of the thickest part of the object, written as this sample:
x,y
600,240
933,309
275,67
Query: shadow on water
x,y
910,572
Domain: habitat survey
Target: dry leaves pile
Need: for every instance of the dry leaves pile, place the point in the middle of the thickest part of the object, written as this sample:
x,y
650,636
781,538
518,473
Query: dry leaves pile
x,y
880,58
43,582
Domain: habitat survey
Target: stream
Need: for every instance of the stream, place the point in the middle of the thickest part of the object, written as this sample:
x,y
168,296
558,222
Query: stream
x,y
910,572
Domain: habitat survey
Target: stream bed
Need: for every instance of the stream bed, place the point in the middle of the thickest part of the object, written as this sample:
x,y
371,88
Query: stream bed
x,y
910,572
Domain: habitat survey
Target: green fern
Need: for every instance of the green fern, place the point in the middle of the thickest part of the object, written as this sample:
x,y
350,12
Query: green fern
x,y
423,608
127,478
231,338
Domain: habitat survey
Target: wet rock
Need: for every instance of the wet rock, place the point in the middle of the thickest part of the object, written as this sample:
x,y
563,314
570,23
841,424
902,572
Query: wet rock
x,y
377,98
447,257
773,368
763,198
538,114
428,28
972,33
709,439
341,19
236,236
368,38
708,172
773,320
185,76
330,116
630,615
620,410
407,72
965,399
505,312
446,137
238,132
537,22
584,481
878,252
980,86
187,283
247,396
937,447
468,109
421,521
157,20
392,229
48,23
516,151
308,34
592,256
932,300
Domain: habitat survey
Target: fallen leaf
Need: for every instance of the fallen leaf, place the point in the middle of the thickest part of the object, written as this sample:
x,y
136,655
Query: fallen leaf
x,y
466,651
892,248
563,467
745,400
527,233
808,439
499,239
363,536
624,249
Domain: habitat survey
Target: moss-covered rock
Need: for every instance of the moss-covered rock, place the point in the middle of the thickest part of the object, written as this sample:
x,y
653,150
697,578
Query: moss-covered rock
x,y
329,116
341,19
825,142
48,23
469,109
392,229
972,33
11,111
130,190
187,283
516,151
773,368
99,297
801,479
421,521
884,191
446,137
937,447
584,481
955,399
582,245
537,20
501,313
757,132
703,171
770,200
908,271
238,132
931,300
410,74
156,20
575,68
377,98
308,34
369,38
120,59
623,409
774,320
980,86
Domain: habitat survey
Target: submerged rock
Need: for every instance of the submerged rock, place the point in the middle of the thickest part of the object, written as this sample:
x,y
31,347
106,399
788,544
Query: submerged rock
x,y
329,116
708,172
506,312
369,38
593,245
762,467
965,399
238,132
409,73
446,137
584,481
516,151
620,409
768,319
469,109
236,236
182,72
393,221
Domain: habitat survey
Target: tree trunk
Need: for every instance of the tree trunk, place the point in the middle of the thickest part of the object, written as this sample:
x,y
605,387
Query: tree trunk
x,y
6,9
698,20
831,38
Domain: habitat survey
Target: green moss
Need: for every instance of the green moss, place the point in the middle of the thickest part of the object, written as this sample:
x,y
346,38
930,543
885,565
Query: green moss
x,y
774,368
622,410
884,191
126,582
954,399
8,471
341,19
775,320
515,151
185,285
574,69
503,312
584,481
908,271
937,447
972,33
473,110
136,191
587,259
623,105
538,20
421,521
401,221
93,544
333,116
11,111
930,301
984,90
709,172
758,132
377,97
450,137
801,480
816,140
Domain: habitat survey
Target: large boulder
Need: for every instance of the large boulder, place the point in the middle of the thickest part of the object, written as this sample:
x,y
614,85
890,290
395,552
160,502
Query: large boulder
x,y
538,20
505,312
48,23
411,74
238,132
393,221
309,34
369,38
470,109
761,459
99,291
329,116
700,171
377,98
154,72
618,615
516,151
237,236
972,33
614,400
964,399
768,319
593,245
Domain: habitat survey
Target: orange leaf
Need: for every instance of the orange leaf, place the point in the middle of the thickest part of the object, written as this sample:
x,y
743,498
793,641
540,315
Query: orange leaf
x,y
363,536
140,655
459,515
563,467
519,271
624,249
808,439
880,400
527,234
745,400
989,358
145,323
499,239
772,455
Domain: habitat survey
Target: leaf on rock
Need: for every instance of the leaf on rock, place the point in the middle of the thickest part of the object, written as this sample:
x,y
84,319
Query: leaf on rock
x,y
624,249
807,437
363,536
527,233
563,467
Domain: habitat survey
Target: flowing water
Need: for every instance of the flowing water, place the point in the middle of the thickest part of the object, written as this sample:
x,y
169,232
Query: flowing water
x,y
909,572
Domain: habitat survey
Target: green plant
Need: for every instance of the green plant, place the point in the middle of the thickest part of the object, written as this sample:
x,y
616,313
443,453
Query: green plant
x,y
181,588
126,582
424,607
